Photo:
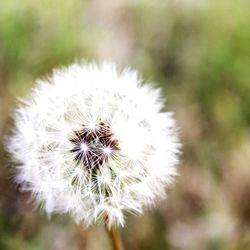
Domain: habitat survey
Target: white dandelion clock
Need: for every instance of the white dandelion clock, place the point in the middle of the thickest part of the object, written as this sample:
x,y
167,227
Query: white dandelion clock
x,y
94,143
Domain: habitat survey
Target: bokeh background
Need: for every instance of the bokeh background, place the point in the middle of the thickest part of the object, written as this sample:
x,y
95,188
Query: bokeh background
x,y
198,52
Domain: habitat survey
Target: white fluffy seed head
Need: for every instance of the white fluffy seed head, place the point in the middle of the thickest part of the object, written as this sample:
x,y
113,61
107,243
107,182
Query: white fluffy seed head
x,y
92,142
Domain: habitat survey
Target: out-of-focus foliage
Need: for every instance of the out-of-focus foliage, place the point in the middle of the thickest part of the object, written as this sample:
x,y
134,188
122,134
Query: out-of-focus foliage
x,y
198,52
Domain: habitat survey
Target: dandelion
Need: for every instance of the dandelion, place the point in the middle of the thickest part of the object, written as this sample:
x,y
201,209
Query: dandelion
x,y
93,142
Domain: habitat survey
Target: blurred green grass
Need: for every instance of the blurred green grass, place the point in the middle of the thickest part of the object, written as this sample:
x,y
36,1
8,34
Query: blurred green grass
x,y
198,52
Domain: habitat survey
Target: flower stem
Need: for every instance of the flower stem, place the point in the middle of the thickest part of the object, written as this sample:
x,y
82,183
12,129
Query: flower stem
x,y
114,237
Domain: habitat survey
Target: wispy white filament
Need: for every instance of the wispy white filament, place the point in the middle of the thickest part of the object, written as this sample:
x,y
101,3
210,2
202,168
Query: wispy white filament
x,y
68,164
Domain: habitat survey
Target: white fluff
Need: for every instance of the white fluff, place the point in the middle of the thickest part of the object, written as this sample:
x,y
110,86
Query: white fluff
x,y
83,95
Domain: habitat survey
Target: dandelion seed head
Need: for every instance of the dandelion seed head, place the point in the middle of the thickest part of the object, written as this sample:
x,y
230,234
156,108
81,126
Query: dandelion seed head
x,y
93,143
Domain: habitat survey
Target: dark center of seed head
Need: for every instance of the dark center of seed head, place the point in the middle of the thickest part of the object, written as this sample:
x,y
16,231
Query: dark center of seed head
x,y
94,147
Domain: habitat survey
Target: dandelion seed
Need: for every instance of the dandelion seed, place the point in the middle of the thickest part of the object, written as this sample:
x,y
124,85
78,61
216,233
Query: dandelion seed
x,y
107,151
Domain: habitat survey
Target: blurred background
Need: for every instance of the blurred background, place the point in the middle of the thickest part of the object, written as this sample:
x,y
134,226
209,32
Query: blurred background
x,y
198,52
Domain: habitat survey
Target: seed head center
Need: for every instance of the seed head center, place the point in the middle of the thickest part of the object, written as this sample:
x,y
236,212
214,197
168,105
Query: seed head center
x,y
93,147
